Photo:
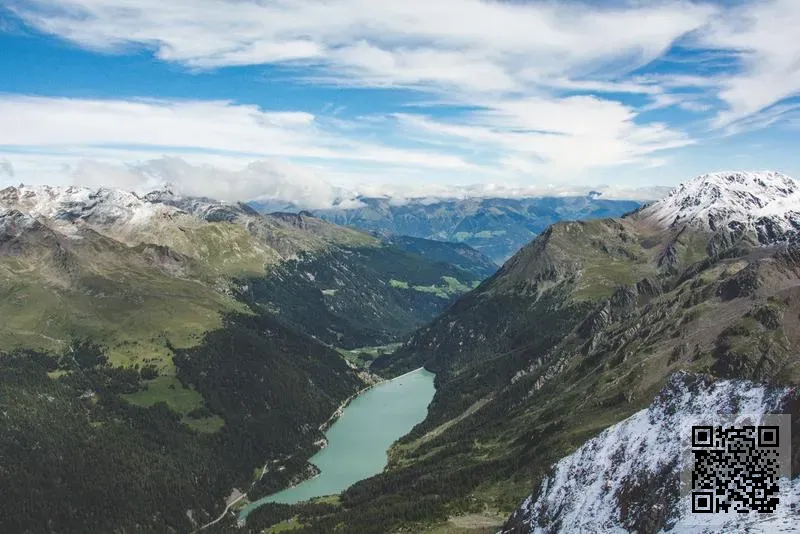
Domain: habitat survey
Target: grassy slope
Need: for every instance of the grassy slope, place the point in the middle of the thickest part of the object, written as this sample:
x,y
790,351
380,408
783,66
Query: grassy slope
x,y
112,297
89,451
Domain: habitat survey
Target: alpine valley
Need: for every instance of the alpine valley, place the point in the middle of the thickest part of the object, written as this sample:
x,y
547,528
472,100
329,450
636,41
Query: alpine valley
x,y
159,351
597,337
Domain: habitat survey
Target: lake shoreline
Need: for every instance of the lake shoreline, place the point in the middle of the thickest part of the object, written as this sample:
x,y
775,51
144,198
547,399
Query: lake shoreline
x,y
340,410
325,427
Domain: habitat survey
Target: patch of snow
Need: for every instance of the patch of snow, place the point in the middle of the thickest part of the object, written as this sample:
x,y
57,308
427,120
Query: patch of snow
x,y
583,492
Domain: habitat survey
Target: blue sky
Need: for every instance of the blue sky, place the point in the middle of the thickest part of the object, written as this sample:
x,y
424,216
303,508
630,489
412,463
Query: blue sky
x,y
306,99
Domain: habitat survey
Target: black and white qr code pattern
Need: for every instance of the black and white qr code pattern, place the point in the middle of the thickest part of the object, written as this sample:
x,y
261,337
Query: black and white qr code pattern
x,y
735,469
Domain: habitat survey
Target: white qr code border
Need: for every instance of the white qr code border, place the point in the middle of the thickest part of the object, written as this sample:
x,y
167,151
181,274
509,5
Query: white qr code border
x,y
719,467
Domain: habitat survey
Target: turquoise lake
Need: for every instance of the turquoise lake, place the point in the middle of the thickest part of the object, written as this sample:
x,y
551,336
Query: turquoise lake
x,y
359,439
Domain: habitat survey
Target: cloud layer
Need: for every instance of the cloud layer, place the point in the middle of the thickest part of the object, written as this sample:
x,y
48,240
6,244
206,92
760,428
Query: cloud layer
x,y
260,179
281,182
521,92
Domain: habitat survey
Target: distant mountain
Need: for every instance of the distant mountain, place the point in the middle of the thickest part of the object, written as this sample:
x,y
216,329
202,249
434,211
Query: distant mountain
x,y
155,350
496,227
580,330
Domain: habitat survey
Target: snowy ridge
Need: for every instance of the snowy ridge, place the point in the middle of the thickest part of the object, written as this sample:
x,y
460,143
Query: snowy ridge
x,y
114,210
627,477
766,202
66,205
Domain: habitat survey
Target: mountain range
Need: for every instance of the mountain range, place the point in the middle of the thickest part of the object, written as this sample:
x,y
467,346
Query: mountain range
x,y
108,243
156,348
496,227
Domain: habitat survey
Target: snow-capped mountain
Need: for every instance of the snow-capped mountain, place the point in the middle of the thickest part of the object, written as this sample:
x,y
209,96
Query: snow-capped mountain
x,y
159,217
68,207
628,477
114,210
766,203
107,207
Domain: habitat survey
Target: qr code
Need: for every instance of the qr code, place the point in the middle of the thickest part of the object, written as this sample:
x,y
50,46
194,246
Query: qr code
x,y
736,468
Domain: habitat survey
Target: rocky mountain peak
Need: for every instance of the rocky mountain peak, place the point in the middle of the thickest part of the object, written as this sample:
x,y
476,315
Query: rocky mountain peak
x,y
106,207
767,202
14,222
163,194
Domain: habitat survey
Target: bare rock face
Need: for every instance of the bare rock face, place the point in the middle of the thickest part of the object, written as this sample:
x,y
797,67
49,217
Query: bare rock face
x,y
742,284
13,223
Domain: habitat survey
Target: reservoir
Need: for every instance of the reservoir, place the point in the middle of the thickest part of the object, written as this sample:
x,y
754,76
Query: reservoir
x,y
359,439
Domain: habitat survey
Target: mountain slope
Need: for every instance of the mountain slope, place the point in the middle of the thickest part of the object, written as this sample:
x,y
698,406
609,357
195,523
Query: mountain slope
x,y
136,391
355,297
496,227
578,331
92,447
459,254
164,245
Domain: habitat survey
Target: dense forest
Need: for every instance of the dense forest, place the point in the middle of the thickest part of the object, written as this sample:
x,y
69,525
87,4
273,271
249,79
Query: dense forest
x,y
77,457
358,296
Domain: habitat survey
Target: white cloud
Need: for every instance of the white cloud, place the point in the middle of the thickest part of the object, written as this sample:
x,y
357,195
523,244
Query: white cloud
x,y
685,101
514,64
764,35
281,181
778,113
203,125
464,49
563,137
548,130
267,179
62,124
6,168
407,36
400,194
